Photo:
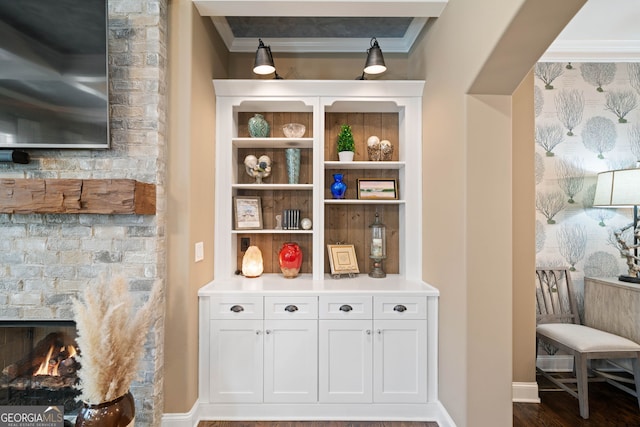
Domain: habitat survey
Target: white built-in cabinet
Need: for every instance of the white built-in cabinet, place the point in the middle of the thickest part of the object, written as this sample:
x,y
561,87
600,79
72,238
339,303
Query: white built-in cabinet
x,y
290,350
348,350
270,358
372,356
316,347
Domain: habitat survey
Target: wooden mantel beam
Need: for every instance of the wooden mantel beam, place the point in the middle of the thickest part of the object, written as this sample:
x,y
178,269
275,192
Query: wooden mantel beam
x,y
94,196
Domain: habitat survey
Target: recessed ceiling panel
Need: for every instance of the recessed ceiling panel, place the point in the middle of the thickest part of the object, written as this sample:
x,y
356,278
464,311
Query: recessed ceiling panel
x,y
317,27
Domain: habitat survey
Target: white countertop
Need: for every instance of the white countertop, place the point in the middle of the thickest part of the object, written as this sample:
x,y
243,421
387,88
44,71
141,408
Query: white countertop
x,y
304,284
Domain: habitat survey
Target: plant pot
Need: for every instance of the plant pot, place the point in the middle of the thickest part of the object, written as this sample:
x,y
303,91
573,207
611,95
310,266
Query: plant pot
x,y
119,412
346,156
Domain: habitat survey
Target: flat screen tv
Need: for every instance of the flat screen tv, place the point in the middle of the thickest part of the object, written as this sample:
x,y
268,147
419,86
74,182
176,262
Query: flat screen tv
x,y
54,74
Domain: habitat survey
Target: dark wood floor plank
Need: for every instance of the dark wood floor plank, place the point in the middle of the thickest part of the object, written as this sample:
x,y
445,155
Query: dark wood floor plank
x,y
608,407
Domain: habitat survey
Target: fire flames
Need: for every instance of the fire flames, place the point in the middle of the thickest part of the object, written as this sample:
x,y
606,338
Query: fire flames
x,y
50,366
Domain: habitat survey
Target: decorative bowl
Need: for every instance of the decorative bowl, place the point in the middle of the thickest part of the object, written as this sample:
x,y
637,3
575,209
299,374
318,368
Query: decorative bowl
x,y
294,130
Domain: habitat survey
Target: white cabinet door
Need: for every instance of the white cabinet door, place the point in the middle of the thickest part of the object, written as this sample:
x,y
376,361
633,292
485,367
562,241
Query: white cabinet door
x,y
345,361
400,361
236,361
291,361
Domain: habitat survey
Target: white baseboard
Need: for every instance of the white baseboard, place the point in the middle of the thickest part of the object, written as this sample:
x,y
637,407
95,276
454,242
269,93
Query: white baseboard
x,y
433,411
188,419
525,392
444,419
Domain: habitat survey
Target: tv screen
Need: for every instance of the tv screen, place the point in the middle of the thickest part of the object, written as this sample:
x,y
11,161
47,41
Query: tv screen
x,y
53,74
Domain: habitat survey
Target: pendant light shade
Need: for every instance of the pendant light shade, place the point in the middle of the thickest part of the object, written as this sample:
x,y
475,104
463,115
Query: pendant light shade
x,y
263,64
375,61
264,60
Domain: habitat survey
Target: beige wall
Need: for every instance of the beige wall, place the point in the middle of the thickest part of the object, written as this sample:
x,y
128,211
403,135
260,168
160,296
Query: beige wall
x,y
524,235
319,66
196,56
467,142
468,227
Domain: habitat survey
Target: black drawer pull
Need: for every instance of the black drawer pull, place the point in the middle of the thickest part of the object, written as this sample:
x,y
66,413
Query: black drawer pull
x,y
346,308
400,308
237,308
291,308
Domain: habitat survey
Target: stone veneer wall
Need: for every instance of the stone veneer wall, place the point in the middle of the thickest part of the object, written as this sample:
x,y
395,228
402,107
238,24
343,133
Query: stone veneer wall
x,y
45,260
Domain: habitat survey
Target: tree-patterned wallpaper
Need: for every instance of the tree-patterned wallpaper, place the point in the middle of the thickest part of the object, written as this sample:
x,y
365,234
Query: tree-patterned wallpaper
x,y
587,121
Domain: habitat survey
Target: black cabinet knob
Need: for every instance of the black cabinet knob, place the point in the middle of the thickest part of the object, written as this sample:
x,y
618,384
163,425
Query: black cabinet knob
x,y
346,308
291,308
237,308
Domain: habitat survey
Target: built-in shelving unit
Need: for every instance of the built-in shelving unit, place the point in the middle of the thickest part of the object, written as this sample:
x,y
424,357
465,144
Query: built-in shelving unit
x,y
317,347
391,110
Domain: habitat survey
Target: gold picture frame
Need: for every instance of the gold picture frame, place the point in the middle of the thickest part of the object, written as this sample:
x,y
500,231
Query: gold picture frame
x,y
342,259
247,213
377,189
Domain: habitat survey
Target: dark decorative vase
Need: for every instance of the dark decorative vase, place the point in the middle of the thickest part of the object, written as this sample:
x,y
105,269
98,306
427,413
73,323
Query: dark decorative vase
x,y
119,412
258,126
290,258
338,187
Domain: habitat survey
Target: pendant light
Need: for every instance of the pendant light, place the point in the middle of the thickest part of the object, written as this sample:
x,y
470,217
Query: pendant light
x,y
263,64
375,60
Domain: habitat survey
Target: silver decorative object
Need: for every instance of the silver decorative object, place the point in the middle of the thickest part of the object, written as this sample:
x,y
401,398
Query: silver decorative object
x,y
378,247
306,223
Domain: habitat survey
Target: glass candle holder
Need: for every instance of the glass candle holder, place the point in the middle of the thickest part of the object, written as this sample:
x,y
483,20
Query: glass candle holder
x,y
378,247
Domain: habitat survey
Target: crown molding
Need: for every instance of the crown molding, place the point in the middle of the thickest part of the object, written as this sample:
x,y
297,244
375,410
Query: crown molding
x,y
593,51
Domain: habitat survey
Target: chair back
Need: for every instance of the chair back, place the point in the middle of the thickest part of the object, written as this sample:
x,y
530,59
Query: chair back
x,y
555,296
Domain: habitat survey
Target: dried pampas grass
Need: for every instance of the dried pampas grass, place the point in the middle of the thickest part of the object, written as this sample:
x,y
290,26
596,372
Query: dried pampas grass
x,y
111,338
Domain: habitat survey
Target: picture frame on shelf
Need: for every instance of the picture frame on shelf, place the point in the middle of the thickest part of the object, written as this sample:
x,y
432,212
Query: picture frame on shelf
x,y
247,212
377,189
342,259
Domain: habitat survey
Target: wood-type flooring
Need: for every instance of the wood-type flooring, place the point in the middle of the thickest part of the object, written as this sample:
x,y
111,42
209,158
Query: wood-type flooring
x,y
608,407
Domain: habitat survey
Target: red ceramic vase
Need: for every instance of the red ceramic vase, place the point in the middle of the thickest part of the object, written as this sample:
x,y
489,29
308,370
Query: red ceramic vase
x,y
290,258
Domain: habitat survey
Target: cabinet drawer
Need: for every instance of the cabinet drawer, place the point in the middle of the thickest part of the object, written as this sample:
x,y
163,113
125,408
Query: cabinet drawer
x,y
236,307
290,308
399,307
345,307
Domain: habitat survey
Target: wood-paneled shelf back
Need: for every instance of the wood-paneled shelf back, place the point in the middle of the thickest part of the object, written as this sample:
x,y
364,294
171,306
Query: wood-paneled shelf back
x,y
71,196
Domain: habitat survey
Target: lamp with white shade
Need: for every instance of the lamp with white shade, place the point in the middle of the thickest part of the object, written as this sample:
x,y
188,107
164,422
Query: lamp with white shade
x,y
264,61
375,61
621,189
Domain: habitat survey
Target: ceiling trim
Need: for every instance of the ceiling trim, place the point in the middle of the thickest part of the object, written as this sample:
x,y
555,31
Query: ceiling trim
x,y
593,51
318,8
319,45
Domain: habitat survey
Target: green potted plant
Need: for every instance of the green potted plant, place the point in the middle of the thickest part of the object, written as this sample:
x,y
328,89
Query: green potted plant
x,y
346,145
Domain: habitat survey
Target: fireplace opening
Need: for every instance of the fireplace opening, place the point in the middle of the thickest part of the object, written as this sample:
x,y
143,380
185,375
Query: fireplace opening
x,y
38,364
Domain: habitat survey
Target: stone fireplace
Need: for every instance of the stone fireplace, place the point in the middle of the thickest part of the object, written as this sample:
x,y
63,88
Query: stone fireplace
x,y
38,364
48,259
